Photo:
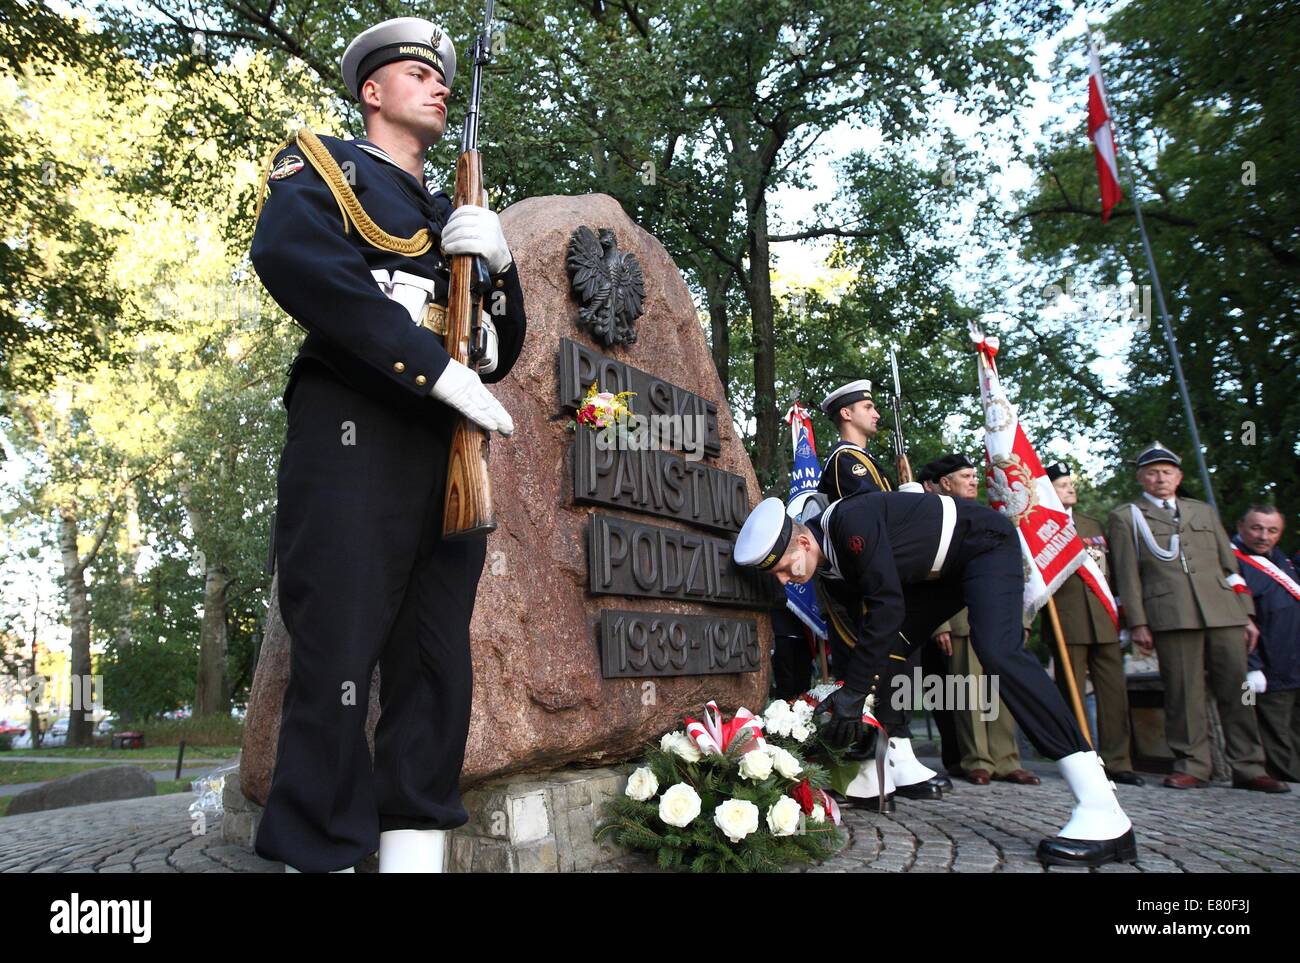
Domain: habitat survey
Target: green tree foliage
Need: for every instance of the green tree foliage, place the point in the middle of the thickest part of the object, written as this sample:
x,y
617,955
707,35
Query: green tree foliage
x,y
1204,97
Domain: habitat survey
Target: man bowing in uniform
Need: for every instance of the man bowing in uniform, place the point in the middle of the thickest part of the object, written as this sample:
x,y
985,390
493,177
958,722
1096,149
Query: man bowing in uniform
x,y
353,243
849,469
914,560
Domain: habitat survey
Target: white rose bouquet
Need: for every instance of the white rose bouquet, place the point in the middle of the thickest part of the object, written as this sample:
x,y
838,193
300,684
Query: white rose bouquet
x,y
792,727
719,796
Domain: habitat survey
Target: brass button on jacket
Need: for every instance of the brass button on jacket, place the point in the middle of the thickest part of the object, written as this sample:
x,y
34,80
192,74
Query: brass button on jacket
x,y
420,379
399,367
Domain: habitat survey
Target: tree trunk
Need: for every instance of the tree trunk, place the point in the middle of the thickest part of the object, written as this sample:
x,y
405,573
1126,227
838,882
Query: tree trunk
x,y
74,589
211,696
716,287
759,295
130,555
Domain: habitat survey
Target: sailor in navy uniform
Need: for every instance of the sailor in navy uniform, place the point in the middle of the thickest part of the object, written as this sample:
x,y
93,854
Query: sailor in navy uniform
x,y
850,467
915,560
352,243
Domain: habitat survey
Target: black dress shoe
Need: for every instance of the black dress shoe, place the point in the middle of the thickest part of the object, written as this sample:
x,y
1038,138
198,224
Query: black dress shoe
x,y
870,803
1128,778
942,781
1059,851
920,790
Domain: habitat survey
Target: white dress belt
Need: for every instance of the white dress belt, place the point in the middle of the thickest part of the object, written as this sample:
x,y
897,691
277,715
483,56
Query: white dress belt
x,y
945,534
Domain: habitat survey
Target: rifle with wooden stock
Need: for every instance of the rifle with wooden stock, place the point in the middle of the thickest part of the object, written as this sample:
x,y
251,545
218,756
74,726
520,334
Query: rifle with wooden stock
x,y
468,507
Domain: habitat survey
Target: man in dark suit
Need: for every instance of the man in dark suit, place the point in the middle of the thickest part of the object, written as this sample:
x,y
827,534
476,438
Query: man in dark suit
x,y
354,245
1274,666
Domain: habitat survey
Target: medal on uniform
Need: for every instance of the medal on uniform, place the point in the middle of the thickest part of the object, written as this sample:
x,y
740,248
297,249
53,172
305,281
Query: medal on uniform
x,y
287,166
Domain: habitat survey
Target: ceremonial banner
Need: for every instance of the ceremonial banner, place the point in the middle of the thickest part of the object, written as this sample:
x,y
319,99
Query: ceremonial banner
x,y
804,476
1018,487
1101,131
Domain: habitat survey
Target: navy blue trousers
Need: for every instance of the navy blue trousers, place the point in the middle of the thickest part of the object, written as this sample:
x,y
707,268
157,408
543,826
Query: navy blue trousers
x,y
365,578
987,578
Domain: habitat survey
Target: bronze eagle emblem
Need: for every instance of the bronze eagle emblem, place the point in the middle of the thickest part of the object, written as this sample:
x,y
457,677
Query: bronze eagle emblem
x,y
609,286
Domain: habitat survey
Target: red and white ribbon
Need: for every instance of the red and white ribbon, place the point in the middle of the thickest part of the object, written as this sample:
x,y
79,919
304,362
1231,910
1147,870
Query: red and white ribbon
x,y
985,344
714,735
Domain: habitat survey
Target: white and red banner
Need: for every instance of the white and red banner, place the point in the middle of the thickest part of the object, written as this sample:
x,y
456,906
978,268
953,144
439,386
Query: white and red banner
x,y
1018,487
1101,131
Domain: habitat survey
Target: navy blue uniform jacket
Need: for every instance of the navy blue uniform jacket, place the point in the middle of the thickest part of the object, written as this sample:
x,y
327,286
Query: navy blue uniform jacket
x,y
321,276
1277,614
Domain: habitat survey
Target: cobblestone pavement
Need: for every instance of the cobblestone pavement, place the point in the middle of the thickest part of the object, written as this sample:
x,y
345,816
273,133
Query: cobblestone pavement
x,y
996,828
973,829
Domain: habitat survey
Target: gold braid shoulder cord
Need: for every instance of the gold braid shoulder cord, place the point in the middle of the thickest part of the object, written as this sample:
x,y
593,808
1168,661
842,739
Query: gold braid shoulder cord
x,y
349,207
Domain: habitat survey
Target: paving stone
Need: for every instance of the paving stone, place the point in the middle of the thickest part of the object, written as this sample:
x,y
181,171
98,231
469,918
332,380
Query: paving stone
x,y
972,830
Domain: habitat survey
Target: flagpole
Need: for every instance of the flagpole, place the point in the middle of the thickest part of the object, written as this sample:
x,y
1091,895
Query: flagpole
x,y
1170,340
1063,664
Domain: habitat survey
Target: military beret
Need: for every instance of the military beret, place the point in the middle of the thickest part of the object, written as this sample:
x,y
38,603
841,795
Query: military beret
x,y
402,38
764,536
1154,453
947,465
848,394
1058,469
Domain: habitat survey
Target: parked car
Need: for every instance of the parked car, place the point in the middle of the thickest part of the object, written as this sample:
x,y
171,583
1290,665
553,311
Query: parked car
x,y
57,736
13,727
22,742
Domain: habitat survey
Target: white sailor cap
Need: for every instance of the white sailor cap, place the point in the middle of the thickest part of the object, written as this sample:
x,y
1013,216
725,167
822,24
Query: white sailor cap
x,y
1156,452
402,38
764,536
848,394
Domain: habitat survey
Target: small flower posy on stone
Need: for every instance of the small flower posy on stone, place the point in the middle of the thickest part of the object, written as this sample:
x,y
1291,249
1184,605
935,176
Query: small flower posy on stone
x,y
601,409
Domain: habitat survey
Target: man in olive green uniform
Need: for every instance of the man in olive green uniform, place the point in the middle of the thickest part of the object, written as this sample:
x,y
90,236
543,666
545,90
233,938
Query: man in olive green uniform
x,y
988,747
1092,639
1177,582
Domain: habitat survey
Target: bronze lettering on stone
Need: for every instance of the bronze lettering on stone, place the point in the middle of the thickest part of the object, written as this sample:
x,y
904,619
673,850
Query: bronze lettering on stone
x,y
632,558
636,644
580,366
659,483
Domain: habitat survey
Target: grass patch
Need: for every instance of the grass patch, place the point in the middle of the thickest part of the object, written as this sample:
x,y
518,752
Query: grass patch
x,y
155,753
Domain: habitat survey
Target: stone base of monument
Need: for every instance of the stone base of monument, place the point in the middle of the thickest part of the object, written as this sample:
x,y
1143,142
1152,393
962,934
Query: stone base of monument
x,y
527,823
538,823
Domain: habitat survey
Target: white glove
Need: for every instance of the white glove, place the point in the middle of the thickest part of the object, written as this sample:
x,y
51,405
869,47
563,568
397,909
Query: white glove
x,y
911,487
461,388
1255,679
476,230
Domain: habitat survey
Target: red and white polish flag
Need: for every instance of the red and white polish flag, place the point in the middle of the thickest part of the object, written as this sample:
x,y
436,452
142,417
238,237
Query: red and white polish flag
x,y
1102,133
1018,487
